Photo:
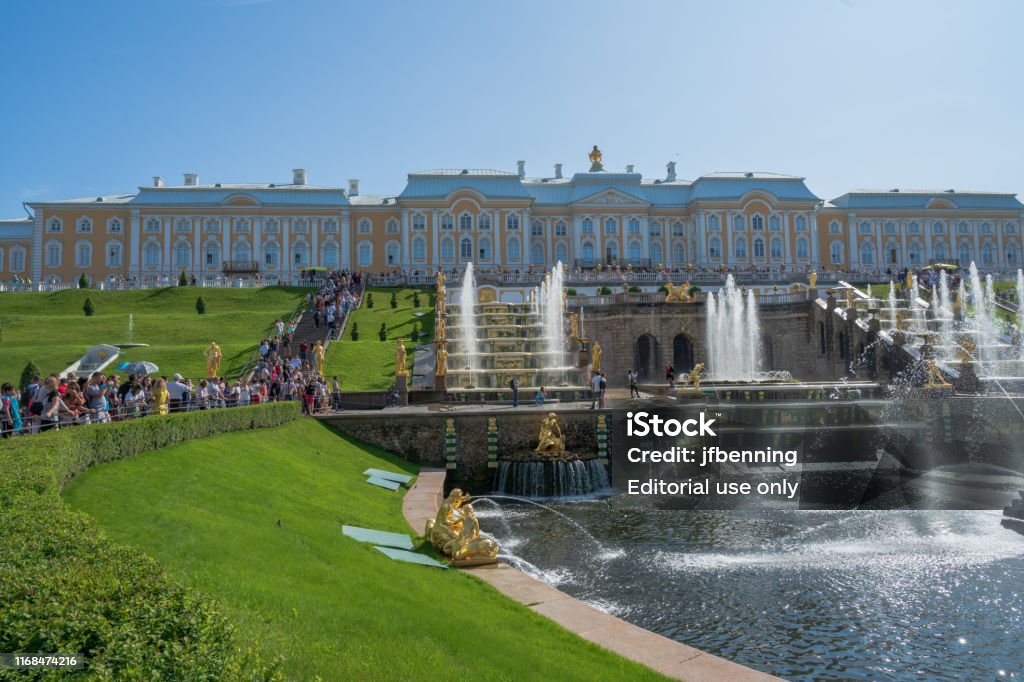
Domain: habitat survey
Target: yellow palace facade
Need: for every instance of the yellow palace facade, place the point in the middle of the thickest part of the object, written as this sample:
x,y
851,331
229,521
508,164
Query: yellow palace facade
x,y
445,218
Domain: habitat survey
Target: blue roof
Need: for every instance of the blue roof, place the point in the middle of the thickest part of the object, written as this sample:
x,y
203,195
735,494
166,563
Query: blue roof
x,y
16,228
735,185
921,198
300,195
442,182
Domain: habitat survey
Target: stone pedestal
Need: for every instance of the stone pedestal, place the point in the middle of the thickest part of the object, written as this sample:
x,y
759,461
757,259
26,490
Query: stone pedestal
x,y
402,386
439,383
968,381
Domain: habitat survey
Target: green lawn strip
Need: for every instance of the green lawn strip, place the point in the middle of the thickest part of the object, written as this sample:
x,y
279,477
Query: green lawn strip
x,y
369,363
51,330
332,606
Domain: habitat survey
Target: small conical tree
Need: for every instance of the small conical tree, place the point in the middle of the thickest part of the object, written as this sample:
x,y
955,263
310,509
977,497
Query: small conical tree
x,y
369,300
394,300
83,282
383,333
200,306
416,299
183,280
415,332
88,308
355,331
28,373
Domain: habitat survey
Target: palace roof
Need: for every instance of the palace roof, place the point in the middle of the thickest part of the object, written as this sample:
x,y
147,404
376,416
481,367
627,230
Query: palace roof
x,y
16,228
923,198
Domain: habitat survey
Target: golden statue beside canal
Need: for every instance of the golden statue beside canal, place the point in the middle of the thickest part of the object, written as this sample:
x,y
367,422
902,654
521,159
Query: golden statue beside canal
x,y
551,438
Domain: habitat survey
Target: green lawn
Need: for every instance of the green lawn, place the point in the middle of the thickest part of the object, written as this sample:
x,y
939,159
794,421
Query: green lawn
x,y
208,511
51,330
369,363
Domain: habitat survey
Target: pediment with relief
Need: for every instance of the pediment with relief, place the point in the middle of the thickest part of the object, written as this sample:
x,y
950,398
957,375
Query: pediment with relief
x,y
610,197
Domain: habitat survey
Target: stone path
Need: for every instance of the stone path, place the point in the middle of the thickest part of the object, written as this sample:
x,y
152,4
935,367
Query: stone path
x,y
665,655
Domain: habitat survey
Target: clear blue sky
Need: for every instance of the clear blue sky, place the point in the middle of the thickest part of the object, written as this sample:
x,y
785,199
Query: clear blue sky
x,y
99,97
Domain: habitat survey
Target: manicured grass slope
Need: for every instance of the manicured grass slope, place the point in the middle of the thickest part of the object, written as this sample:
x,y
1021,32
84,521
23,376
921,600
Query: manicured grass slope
x,y
207,510
369,363
51,330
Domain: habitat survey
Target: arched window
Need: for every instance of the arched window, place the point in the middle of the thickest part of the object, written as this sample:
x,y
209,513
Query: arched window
x,y
1010,228
465,221
914,253
515,252
776,248
678,253
466,249
537,254
758,248
391,252
940,251
241,251
964,228
1012,254
271,226
588,252
151,255
774,224
739,224
986,228
483,221
419,248
802,251
588,226
835,251
656,255
536,229
965,254
715,248
392,227
329,255
561,252
714,223
448,249
512,221
114,254
835,228
54,251
365,254
485,248
242,226
740,248
988,254
419,222
867,253
634,252
938,228
114,226
866,228
83,254
611,250
331,226
84,225
757,224
212,225
300,254
914,228
891,254
560,229
271,254
183,255
447,221
54,225
634,226
301,226
801,223
890,228
610,226
654,228
212,254
677,228
365,226
17,259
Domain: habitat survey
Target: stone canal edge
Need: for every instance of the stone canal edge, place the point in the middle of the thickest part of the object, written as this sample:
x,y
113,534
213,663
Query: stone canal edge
x,y
665,655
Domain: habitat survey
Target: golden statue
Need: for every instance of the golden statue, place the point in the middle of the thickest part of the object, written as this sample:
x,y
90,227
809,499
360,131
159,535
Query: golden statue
x,y
447,524
813,279
966,350
564,294
468,547
551,438
213,356
595,357
693,378
439,302
678,293
849,297
959,299
441,362
899,320
401,370
595,159
439,281
318,358
574,324
935,378
910,279
439,329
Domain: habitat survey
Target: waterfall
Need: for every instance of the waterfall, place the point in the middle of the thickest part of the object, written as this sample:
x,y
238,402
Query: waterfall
x,y
982,313
733,334
553,318
467,321
573,478
944,301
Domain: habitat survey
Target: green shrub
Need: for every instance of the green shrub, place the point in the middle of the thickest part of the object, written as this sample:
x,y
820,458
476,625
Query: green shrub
x,y
416,299
183,279
68,587
83,282
200,306
605,291
355,331
369,300
663,289
570,292
26,374
88,308
635,290
394,300
415,336
383,332
694,289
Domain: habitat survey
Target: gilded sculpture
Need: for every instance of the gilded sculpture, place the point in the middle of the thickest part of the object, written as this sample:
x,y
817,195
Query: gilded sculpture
x,y
439,329
439,281
213,355
693,378
401,359
595,356
551,438
469,547
439,302
441,361
678,293
574,325
595,157
447,524
813,279
318,358
935,378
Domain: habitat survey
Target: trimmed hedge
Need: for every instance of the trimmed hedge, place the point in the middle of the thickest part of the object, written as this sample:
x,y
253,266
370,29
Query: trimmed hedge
x,y
66,587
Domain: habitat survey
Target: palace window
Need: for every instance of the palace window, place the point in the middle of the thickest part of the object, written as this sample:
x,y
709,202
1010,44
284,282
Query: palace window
x,y
365,252
329,255
365,226
483,221
988,254
654,228
588,226
300,254
243,226
271,226
588,252
801,223
330,226
561,252
715,248
757,224
776,248
634,252
241,251
677,229
679,253
611,226
485,248
611,251
17,262
836,253
113,254
53,254
419,248
986,228
392,227
211,255
914,253
537,254
1010,228
212,225
447,221
759,248
151,255
181,226
867,254
964,228
656,255
183,255
890,228
419,222
740,248
84,225
271,254
774,224
866,228
634,226
83,255
114,226
714,223
940,251
536,228
465,222
391,252
447,249
835,228
55,225
938,228
560,229
965,254
466,248
914,228
1011,255
514,250
512,221
739,223
801,248
152,225
300,226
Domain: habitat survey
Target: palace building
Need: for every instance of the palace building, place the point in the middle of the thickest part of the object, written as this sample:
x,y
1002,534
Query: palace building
x,y
445,218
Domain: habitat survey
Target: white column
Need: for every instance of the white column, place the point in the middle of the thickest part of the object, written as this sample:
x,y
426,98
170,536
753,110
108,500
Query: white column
x,y
134,236
1000,254
576,238
346,240
197,246
168,236
623,238
854,228
257,237
728,260
286,249
314,246
976,228
549,254
926,236
404,258
787,253
36,267
645,238
905,258
879,253
435,230
812,226
225,252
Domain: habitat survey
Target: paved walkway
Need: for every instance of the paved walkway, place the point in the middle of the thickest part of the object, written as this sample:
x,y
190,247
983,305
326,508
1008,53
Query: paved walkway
x,y
665,655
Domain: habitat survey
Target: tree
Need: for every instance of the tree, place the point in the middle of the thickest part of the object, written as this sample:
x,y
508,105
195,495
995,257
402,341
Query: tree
x,y
88,308
83,282
394,300
200,306
635,290
415,332
183,280
355,331
416,299
369,300
27,374
383,333
605,291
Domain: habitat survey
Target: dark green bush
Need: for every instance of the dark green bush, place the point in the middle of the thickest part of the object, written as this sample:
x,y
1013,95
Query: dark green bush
x,y
200,306
83,282
416,299
88,308
26,374
635,290
67,587
605,291
383,332
570,291
394,299
662,289
355,331
183,279
369,300
415,336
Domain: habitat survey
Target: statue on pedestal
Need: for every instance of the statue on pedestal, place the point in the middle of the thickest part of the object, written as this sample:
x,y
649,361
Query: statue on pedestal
x,y
439,329
318,358
693,378
401,370
447,524
439,281
574,325
468,546
595,356
551,438
595,160
441,361
813,279
213,356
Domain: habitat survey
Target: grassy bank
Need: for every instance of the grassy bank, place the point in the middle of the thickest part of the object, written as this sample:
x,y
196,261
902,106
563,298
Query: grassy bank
x,y
51,330
369,363
332,606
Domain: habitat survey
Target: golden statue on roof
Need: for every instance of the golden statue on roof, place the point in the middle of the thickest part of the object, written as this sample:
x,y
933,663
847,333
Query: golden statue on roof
x,y
595,159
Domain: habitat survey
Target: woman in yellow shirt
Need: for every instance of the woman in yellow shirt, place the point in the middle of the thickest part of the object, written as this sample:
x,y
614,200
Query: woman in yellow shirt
x,y
160,397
